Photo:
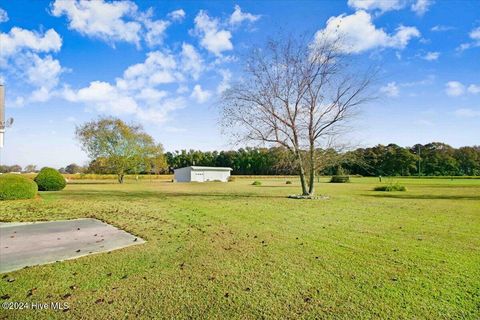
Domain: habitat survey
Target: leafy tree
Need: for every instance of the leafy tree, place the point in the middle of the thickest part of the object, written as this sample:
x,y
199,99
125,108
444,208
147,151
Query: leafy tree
x,y
73,168
124,148
30,168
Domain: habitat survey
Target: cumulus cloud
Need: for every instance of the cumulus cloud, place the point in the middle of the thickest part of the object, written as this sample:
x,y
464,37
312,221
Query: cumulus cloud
x,y
431,56
475,37
225,83
177,15
19,39
382,5
192,62
111,21
22,57
417,6
238,16
454,88
421,6
200,95
212,37
359,34
154,29
391,89
100,19
143,90
473,88
441,28
3,15
467,113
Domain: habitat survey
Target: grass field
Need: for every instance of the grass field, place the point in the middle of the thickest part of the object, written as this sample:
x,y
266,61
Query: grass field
x,y
233,250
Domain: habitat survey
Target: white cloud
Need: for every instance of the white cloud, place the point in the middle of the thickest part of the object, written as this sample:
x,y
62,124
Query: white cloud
x,y
158,68
3,15
473,88
191,61
200,95
417,6
109,21
359,34
431,56
467,113
44,72
238,16
391,89
177,15
142,91
475,36
382,5
19,39
421,6
155,29
225,83
441,28
454,88
212,38
20,58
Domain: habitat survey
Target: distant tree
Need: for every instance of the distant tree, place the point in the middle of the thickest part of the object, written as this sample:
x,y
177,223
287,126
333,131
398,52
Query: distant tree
x,y
30,168
99,166
468,159
73,168
124,148
297,94
15,168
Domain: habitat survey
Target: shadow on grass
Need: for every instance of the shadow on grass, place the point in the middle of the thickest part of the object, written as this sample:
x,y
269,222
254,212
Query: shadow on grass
x,y
106,195
423,196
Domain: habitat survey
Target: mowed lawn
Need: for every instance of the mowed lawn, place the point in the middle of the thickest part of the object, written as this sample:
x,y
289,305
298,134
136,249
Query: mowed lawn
x,y
233,250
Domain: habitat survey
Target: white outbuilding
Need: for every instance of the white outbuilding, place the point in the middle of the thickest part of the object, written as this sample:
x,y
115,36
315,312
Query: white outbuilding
x,y
202,174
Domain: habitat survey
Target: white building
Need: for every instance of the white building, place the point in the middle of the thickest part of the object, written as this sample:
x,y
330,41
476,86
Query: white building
x,y
202,174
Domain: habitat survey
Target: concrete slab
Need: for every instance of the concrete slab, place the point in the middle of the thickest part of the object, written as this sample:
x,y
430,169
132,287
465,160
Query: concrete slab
x,y
29,244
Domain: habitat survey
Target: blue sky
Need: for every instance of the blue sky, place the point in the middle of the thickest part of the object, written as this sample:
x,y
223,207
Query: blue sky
x,y
164,63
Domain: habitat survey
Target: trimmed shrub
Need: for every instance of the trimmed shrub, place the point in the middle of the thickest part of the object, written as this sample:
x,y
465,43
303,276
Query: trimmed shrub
x,y
391,187
15,186
288,182
49,179
256,183
340,179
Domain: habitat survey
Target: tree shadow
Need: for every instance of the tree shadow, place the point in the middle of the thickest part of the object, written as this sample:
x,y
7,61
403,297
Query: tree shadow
x,y
424,196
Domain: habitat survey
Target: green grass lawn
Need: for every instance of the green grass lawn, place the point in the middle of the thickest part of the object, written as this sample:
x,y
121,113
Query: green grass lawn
x,y
233,250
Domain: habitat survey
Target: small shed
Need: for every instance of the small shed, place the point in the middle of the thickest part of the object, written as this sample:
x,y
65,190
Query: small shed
x,y
202,174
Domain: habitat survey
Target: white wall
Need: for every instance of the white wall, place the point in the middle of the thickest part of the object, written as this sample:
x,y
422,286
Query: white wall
x,y
200,175
216,175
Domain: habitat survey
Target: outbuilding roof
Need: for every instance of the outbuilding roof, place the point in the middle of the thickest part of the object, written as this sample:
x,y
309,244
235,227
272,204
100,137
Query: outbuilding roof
x,y
208,168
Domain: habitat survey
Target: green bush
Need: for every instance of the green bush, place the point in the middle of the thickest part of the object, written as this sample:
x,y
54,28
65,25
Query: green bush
x,y
15,186
391,187
288,182
49,179
340,179
256,183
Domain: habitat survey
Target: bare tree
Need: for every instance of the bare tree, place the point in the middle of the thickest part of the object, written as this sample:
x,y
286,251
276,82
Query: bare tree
x,y
298,94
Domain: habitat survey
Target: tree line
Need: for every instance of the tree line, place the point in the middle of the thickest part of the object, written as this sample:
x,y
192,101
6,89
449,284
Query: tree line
x,y
431,159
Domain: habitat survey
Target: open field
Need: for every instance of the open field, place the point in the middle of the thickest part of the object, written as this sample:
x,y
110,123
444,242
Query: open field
x,y
233,250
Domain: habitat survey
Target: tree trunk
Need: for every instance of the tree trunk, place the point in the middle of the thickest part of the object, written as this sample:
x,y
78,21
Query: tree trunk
x,y
302,174
120,177
311,187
